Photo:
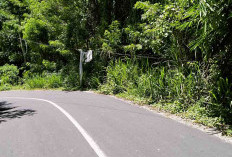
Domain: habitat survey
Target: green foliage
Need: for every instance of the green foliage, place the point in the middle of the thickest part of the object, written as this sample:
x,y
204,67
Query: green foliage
x,y
35,30
221,96
9,75
120,76
112,38
70,76
44,81
200,114
157,83
49,66
5,87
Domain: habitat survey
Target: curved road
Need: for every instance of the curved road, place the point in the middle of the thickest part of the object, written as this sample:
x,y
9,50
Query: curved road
x,y
81,124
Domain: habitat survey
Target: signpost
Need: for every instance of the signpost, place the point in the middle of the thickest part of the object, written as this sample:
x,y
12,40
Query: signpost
x,y
87,56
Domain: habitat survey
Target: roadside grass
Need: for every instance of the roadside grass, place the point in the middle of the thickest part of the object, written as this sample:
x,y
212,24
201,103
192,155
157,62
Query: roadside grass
x,y
185,93
25,87
45,81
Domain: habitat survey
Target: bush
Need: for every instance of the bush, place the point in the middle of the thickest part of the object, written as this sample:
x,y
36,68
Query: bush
x,y
70,75
221,96
44,81
121,77
9,74
157,84
5,87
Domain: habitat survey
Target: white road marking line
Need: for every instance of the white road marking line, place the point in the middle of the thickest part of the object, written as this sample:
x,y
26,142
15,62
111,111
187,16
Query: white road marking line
x,y
84,133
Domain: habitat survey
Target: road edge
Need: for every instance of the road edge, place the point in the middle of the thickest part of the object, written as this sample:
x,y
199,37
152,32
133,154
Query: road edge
x,y
188,122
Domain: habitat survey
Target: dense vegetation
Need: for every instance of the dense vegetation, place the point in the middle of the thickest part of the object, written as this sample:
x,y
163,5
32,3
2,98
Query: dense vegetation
x,y
173,54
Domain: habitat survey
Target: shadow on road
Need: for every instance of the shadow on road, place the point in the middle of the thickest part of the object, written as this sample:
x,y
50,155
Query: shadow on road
x,y
7,112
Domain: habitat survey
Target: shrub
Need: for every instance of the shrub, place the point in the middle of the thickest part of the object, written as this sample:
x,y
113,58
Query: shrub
x,y
70,76
45,81
121,76
176,89
9,74
221,96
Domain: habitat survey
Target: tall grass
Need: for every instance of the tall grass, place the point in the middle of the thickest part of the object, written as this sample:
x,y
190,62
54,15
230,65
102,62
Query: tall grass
x,y
121,77
160,83
184,90
43,81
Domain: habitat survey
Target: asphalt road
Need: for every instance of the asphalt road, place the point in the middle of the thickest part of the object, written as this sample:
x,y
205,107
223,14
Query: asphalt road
x,y
80,124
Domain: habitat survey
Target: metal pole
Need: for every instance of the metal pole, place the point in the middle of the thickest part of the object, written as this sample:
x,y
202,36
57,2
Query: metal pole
x,y
81,67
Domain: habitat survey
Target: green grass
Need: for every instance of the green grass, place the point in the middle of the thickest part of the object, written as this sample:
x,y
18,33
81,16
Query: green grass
x,y
185,92
46,81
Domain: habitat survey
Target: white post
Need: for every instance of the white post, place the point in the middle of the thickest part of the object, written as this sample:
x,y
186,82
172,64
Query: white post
x,y
81,67
89,57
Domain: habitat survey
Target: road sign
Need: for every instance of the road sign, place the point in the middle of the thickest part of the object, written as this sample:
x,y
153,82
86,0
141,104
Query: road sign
x,y
89,56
